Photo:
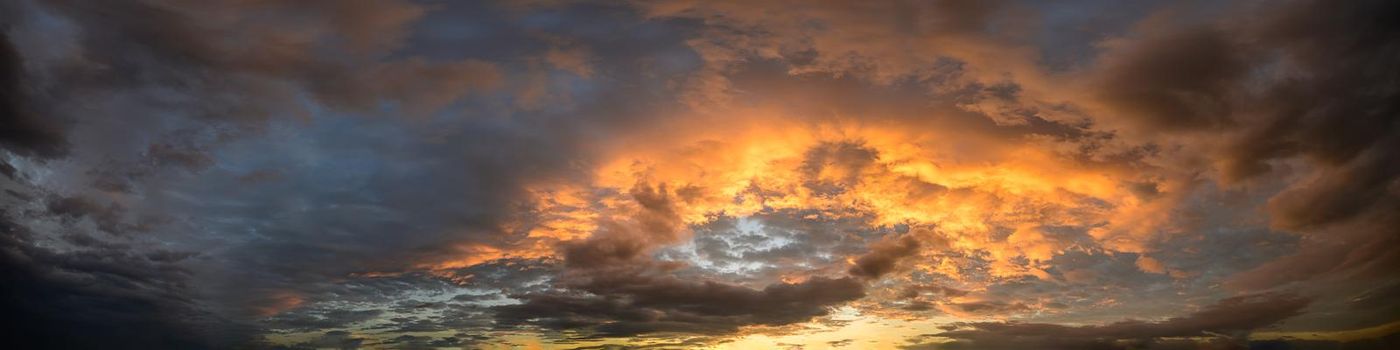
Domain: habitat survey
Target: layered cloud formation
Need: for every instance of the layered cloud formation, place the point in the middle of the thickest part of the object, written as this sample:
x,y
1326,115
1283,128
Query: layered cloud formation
x,y
689,174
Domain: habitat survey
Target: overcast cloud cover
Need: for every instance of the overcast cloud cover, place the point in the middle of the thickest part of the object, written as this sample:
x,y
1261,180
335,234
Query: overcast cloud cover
x,y
396,174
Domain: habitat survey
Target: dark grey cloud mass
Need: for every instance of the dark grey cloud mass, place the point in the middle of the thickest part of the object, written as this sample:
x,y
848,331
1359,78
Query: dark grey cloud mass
x,y
105,297
25,131
883,256
633,304
1234,317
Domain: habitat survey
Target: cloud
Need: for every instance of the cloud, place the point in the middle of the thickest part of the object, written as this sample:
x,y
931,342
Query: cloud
x,y
1277,88
319,104
1232,318
832,168
1171,81
356,173
26,131
124,100
636,304
882,257
622,243
614,287
105,297
340,340
1180,93
1149,264
240,65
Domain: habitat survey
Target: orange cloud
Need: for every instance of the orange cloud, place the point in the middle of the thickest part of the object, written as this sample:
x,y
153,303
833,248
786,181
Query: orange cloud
x,y
979,194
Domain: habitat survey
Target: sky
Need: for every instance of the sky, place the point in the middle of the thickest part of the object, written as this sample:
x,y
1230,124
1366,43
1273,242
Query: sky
x,y
679,174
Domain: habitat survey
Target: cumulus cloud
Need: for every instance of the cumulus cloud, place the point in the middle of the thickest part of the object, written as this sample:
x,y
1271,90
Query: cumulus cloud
x,y
1235,100
614,287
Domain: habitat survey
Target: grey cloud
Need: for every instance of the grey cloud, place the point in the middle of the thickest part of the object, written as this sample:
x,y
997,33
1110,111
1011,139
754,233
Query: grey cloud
x,y
883,255
107,217
1233,317
1173,81
318,319
104,298
26,131
1307,79
130,98
634,304
622,243
339,340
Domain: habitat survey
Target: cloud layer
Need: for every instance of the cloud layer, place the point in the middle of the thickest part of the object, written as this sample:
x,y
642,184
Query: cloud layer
x,y
558,174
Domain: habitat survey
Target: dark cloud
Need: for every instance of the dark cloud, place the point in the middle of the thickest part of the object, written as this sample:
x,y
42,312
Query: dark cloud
x,y
1232,318
883,255
415,342
1306,79
624,242
167,155
1384,342
135,96
1179,344
142,70
1303,93
99,298
26,131
317,319
1173,81
339,340
989,307
108,217
635,304
278,40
